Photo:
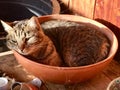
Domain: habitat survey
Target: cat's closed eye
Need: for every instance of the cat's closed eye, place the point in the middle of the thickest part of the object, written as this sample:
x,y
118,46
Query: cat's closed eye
x,y
31,40
28,32
26,39
14,41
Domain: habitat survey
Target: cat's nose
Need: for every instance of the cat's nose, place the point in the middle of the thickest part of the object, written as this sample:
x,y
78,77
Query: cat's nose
x,y
22,47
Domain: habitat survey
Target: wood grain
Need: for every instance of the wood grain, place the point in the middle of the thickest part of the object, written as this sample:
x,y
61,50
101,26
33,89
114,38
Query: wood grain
x,y
107,10
83,7
10,66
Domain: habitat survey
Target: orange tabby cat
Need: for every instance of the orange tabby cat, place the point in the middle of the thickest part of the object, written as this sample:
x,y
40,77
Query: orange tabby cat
x,y
76,43
27,38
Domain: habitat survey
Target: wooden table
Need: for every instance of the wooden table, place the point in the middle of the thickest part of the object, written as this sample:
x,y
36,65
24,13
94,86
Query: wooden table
x,y
9,65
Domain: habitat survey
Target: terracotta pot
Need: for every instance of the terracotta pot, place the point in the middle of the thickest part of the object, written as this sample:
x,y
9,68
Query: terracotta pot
x,y
66,75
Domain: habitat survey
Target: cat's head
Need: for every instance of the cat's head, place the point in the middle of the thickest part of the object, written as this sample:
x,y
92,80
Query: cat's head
x,y
23,36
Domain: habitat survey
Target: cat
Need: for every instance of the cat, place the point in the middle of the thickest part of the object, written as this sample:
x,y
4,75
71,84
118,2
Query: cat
x,y
56,42
77,44
27,38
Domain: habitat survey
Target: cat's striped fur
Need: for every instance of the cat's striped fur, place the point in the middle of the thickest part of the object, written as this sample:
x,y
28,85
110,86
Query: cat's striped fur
x,y
76,44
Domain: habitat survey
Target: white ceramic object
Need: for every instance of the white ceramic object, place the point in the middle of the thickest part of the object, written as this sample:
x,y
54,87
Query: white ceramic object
x,y
3,83
37,82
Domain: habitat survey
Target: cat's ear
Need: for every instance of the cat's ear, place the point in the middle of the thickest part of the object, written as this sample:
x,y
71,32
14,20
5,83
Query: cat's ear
x,y
33,22
6,26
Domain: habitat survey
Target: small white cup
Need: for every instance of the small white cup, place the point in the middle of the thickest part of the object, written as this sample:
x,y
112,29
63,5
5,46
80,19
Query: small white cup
x,y
3,83
37,82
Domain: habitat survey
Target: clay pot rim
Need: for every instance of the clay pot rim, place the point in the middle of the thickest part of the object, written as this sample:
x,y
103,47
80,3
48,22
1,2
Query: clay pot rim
x,y
114,45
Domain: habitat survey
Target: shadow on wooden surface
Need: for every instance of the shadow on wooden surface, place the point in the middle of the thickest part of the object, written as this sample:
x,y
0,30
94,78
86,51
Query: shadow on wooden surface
x,y
116,31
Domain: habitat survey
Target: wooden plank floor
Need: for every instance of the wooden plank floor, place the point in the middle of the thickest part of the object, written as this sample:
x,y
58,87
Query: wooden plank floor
x,y
9,65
